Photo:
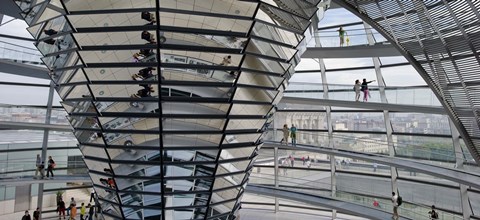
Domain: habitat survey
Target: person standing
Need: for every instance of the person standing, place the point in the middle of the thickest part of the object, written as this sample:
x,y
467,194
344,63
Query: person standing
x,y
36,214
341,35
26,216
433,214
92,195
364,88
91,210
38,163
285,164
309,164
357,88
83,211
72,203
51,165
286,132
293,135
375,167
73,212
61,208
395,205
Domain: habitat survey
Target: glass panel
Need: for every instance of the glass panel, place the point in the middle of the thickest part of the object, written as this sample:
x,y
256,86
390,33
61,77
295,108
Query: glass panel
x,y
358,121
21,95
420,123
215,6
430,148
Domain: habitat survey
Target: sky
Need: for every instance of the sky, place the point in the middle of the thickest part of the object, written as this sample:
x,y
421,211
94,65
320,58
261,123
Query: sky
x,y
393,76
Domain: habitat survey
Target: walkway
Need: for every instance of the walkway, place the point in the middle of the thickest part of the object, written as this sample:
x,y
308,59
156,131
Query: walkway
x,y
358,51
33,126
458,176
323,201
27,180
364,105
21,69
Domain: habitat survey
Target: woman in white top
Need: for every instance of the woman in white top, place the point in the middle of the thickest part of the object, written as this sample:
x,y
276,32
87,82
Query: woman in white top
x,y
357,88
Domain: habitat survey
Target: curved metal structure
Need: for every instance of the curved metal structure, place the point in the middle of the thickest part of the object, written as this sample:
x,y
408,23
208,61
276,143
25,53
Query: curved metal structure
x,y
169,99
439,38
323,201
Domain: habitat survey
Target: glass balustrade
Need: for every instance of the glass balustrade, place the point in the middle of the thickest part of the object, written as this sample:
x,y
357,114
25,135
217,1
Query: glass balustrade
x,y
371,199
353,37
414,95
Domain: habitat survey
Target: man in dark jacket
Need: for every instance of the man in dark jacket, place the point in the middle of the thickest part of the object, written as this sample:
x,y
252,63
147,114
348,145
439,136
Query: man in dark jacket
x,y
26,216
36,214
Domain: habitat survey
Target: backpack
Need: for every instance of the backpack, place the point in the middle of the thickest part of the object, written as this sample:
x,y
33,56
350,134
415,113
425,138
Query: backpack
x,y
399,200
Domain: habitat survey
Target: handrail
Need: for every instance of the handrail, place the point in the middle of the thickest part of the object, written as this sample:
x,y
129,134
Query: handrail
x,y
369,140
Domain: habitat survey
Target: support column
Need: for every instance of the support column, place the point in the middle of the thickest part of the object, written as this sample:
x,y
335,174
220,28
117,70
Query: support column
x,y
275,162
328,110
45,142
466,210
386,114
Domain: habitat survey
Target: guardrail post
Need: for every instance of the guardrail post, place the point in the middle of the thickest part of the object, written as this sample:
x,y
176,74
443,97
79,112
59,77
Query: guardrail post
x,y
276,170
45,143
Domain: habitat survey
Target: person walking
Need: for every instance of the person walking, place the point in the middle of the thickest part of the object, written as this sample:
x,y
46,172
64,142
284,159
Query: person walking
x,y
395,205
375,167
364,89
61,208
303,160
36,214
51,165
38,164
286,132
226,61
83,211
309,164
357,88
26,216
92,195
293,135
285,164
433,214
91,210
341,35
292,159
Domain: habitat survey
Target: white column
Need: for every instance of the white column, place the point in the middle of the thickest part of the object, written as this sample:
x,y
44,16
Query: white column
x,y
459,165
386,114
